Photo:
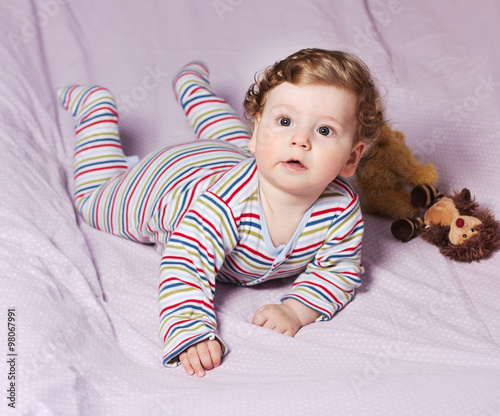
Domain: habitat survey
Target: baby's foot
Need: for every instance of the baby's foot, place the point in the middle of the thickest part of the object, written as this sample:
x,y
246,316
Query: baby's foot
x,y
191,78
84,101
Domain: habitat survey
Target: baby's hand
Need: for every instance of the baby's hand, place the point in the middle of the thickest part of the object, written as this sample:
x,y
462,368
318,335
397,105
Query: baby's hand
x,y
202,356
280,318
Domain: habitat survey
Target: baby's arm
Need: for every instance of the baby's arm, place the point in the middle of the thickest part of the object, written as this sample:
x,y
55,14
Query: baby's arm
x,y
192,257
286,318
328,282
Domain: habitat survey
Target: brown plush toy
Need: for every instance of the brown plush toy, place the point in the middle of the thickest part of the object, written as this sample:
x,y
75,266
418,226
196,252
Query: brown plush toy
x,y
386,178
454,224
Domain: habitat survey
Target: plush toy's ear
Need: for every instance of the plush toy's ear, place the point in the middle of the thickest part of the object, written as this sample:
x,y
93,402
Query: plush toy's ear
x,y
465,195
465,203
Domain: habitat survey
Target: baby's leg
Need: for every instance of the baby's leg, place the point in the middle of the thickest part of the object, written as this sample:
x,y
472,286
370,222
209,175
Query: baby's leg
x,y
210,115
98,152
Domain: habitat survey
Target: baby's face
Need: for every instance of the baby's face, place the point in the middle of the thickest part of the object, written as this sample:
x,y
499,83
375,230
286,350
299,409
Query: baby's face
x,y
304,138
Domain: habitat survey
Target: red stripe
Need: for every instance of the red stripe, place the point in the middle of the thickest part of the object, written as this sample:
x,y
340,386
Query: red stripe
x,y
216,121
169,279
104,168
326,211
96,146
68,98
196,89
186,341
235,192
205,220
203,102
342,238
201,248
250,215
345,187
331,283
350,248
176,305
190,72
298,250
313,306
97,122
111,213
137,181
257,253
230,139
99,109
244,272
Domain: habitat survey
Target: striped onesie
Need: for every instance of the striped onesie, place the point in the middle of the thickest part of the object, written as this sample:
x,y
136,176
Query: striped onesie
x,y
199,204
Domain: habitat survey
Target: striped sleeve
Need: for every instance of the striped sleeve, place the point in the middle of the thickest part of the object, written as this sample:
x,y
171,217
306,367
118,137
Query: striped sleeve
x,y
329,281
190,262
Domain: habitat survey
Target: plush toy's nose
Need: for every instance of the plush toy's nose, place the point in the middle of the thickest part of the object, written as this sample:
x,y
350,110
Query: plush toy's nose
x,y
460,222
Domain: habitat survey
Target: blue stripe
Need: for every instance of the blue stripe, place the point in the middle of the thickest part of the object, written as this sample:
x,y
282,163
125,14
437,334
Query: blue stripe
x,y
88,120
95,141
241,178
207,119
100,163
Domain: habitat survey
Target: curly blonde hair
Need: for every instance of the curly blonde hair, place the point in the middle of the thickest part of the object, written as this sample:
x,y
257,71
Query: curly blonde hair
x,y
320,66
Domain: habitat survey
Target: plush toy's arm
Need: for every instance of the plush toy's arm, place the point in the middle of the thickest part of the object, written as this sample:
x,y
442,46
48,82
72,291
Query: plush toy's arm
x,y
407,167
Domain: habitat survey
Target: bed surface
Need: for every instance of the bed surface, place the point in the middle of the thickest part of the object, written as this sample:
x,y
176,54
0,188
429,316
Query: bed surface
x,y
422,335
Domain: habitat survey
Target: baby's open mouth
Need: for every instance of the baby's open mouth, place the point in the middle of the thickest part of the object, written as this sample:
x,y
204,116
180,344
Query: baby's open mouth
x,y
294,165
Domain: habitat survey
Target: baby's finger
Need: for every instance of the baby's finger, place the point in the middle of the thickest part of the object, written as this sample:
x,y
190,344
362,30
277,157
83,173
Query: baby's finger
x,y
270,325
215,352
204,354
259,319
194,359
183,358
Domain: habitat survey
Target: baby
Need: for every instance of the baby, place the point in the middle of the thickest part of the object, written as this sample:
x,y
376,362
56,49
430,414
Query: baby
x,y
236,205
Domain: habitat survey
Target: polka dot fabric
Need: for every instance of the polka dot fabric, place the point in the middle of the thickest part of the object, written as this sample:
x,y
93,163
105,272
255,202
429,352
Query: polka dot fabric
x,y
422,334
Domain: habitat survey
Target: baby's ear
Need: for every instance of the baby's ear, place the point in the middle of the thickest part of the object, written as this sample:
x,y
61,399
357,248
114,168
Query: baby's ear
x,y
251,143
353,161
253,139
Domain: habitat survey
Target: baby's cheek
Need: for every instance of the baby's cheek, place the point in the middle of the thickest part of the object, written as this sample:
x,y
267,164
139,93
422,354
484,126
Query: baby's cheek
x,y
265,134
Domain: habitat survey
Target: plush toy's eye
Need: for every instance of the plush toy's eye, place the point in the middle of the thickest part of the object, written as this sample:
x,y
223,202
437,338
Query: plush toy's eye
x,y
472,230
464,236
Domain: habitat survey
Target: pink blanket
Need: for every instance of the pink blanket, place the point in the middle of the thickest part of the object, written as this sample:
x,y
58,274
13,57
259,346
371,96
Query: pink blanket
x,y
422,335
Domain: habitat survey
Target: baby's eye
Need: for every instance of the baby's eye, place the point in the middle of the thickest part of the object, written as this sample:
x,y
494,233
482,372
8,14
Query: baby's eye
x,y
325,131
284,121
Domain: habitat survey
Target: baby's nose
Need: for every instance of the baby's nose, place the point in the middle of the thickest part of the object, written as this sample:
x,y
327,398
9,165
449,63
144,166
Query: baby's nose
x,y
300,140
